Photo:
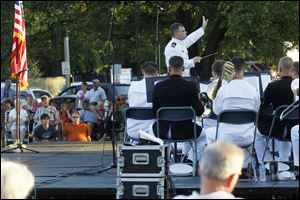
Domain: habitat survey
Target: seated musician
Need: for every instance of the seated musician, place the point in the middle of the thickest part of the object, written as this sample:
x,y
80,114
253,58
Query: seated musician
x,y
179,92
295,129
237,94
276,94
137,98
216,71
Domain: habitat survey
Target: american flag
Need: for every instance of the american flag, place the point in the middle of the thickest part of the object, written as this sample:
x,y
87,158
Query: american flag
x,y
19,59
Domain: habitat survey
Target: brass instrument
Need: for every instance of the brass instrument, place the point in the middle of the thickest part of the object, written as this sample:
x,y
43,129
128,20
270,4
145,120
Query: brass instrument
x,y
228,74
293,106
295,86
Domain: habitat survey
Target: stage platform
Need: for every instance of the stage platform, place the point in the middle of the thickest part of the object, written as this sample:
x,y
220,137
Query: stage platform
x,y
83,170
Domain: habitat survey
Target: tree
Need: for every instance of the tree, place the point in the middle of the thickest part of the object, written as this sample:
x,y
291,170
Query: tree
x,y
262,31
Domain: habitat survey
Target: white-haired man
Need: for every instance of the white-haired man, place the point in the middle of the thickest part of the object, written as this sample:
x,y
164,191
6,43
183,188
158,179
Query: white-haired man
x,y
220,168
16,180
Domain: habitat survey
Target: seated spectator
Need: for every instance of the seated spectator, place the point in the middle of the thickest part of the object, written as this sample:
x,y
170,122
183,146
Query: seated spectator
x,y
48,109
31,107
23,123
89,116
6,107
76,131
45,131
64,113
16,180
7,92
80,95
219,169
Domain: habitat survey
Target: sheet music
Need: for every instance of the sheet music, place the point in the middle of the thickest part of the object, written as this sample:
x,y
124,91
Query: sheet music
x,y
265,79
203,87
254,81
147,136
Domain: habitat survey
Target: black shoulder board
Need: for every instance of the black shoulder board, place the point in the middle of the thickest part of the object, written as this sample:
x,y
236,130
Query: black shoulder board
x,y
173,44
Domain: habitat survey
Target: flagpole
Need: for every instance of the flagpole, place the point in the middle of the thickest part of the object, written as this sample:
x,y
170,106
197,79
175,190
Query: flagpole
x,y
17,95
17,71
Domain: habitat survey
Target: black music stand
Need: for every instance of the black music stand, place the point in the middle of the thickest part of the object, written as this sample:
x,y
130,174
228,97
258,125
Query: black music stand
x,y
19,143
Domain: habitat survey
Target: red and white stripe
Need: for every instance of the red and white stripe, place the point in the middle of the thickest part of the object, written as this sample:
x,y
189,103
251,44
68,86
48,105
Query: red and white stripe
x,y
19,59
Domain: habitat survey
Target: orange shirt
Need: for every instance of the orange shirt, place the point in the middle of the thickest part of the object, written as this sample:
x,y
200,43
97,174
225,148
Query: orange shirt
x,y
76,132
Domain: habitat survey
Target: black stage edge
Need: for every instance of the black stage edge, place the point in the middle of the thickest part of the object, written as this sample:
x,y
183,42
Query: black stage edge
x,y
83,171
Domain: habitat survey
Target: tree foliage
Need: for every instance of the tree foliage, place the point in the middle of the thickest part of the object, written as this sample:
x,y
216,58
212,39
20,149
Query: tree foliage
x,y
103,33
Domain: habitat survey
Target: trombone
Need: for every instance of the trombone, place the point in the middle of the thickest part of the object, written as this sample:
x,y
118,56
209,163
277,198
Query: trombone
x,y
293,106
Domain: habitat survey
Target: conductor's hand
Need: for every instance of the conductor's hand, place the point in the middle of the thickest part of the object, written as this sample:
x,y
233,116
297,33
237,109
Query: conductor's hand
x,y
204,22
197,59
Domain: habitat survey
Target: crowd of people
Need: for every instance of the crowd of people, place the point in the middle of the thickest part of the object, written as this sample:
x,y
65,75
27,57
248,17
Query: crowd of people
x,y
47,121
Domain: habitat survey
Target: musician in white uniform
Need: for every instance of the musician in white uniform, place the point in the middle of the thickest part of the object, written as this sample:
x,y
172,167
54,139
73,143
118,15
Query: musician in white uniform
x,y
237,94
180,42
137,97
295,129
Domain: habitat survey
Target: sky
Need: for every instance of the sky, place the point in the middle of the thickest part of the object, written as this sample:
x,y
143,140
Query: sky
x,y
294,54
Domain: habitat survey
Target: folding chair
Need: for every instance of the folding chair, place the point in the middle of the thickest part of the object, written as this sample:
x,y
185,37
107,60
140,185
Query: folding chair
x,y
177,114
238,117
289,120
137,113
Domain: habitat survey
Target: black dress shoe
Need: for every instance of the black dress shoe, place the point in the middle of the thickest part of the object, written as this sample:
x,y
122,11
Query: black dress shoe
x,y
245,174
186,160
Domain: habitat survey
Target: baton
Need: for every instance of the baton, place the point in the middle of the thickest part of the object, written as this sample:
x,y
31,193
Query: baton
x,y
209,55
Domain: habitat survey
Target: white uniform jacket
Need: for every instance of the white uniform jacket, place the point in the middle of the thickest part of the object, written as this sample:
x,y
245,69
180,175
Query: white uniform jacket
x,y
178,47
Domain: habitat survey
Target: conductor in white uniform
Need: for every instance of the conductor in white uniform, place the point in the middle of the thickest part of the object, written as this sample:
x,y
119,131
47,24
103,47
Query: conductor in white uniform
x,y
180,42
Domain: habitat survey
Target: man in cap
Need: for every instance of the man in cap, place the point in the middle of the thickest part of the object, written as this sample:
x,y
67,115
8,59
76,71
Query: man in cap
x,y
48,109
7,91
96,93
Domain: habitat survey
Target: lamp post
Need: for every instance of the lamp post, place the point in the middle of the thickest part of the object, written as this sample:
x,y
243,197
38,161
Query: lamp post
x,y
157,42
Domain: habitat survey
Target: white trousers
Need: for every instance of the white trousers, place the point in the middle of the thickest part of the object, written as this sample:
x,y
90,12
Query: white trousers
x,y
295,142
284,149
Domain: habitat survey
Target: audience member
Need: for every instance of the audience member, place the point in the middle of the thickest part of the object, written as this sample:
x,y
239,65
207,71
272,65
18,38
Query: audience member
x,y
64,113
17,180
80,95
180,42
7,92
31,106
8,105
23,123
76,131
137,97
178,92
96,93
47,109
45,131
89,116
219,169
